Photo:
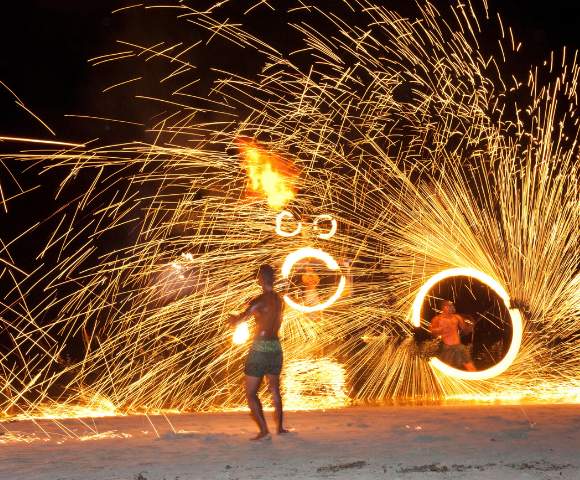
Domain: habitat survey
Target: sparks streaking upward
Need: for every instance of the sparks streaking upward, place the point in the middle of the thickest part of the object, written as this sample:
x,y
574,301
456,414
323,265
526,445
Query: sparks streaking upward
x,y
403,131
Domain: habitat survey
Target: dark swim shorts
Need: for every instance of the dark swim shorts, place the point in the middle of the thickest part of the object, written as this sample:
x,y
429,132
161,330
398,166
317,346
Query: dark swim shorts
x,y
264,358
454,355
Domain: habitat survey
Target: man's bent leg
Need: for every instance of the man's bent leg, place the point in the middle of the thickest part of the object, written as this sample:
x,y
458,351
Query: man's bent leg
x,y
252,386
470,367
274,385
467,361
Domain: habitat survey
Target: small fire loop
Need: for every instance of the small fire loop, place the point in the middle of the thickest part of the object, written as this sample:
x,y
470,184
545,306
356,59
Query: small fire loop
x,y
331,264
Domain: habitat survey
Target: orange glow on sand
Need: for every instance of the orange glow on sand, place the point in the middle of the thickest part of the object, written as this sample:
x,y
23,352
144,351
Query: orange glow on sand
x,y
95,406
269,175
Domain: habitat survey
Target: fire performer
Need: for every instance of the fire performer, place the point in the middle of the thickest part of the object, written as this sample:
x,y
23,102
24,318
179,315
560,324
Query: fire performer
x,y
447,325
265,355
310,281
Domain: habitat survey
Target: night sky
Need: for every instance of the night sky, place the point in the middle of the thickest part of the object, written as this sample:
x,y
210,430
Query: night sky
x,y
46,44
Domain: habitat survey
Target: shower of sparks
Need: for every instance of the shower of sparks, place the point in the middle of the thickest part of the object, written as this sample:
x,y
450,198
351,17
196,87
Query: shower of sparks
x,y
402,129
314,384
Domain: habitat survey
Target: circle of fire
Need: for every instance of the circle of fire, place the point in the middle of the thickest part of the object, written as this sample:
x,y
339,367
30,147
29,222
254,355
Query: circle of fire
x,y
328,260
281,216
516,319
333,225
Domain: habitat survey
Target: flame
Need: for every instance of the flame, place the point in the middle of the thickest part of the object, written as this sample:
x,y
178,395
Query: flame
x,y
241,333
269,175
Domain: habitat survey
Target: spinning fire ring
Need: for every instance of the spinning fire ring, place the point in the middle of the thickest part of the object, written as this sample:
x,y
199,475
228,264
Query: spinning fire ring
x,y
515,316
331,264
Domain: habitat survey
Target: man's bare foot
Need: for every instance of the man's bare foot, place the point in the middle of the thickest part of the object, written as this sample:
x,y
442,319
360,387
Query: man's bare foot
x,y
282,431
261,436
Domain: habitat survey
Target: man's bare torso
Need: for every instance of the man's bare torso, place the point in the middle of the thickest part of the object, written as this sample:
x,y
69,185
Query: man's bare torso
x,y
267,310
447,326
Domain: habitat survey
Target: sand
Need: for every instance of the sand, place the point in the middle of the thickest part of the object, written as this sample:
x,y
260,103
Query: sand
x,y
436,442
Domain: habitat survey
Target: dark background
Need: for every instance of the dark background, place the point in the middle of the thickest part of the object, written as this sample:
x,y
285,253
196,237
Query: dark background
x,y
45,45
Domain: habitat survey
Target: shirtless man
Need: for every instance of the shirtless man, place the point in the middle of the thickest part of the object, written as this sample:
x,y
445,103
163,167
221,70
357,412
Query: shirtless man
x,y
447,325
265,355
311,282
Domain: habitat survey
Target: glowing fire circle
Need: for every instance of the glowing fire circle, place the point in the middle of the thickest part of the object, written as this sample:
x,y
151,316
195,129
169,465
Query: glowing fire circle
x,y
516,319
331,264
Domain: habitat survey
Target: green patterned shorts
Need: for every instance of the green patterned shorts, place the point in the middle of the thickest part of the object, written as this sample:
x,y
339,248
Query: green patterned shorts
x,y
454,355
264,358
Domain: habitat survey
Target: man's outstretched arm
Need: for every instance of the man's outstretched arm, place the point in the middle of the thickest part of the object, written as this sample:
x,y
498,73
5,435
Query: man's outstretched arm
x,y
240,317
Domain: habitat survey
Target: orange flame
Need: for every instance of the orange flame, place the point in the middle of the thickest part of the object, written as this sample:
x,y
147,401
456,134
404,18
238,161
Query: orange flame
x,y
269,175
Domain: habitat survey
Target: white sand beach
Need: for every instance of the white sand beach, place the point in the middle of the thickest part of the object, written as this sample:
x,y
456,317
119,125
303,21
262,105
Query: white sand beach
x,y
434,442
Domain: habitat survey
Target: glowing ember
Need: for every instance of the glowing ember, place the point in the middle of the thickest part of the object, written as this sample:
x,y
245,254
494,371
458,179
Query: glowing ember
x,y
268,175
241,333
40,141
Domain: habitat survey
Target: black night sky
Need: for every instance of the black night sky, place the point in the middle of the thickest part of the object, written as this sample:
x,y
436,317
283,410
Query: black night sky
x,y
46,44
